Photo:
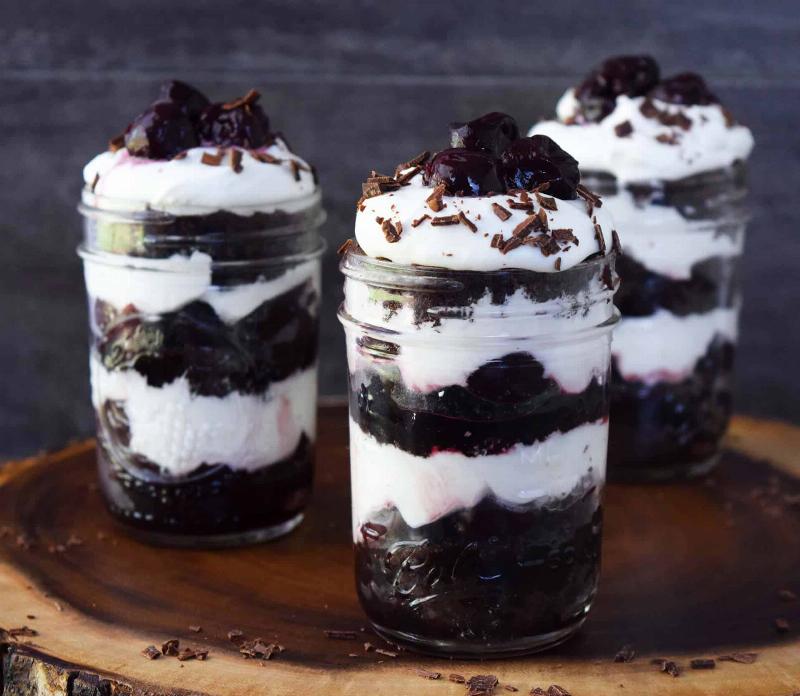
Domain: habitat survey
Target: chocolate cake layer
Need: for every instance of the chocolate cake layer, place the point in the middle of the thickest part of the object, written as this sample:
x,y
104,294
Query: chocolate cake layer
x,y
713,284
214,499
664,425
505,403
275,340
489,574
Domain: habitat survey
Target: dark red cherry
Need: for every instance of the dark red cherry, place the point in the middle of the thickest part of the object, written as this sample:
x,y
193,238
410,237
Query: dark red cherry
x,y
191,101
530,162
629,75
492,132
464,172
242,123
686,88
160,132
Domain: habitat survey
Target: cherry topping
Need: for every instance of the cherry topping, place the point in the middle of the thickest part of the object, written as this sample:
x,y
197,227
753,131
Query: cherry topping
x,y
242,123
530,162
160,132
629,75
191,101
464,172
686,88
492,132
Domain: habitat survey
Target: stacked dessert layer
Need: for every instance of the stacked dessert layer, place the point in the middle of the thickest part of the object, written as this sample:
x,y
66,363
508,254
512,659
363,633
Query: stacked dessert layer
x,y
669,157
204,296
478,394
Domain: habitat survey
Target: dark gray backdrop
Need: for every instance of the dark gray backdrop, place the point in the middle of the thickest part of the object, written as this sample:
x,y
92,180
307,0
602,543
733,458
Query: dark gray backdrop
x,y
354,86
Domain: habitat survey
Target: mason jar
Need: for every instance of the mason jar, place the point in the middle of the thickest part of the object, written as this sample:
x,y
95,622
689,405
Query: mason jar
x,y
203,362
680,294
478,436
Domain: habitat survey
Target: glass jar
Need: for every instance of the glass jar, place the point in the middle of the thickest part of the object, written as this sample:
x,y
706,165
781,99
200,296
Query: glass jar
x,y
672,354
203,362
478,435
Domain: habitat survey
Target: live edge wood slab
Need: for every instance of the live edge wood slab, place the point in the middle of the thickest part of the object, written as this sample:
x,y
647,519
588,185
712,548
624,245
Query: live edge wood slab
x,y
690,570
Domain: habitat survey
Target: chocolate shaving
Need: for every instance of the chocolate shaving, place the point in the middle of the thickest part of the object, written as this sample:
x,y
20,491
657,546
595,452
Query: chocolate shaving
x,y
409,174
250,98
456,679
335,634
667,138
601,240
466,221
211,160
295,166
524,228
343,249
387,653
420,220
257,649
782,625
537,691
151,652
22,632
170,647
564,235
546,202
235,159
481,685
181,155
625,654
703,663
743,658
557,264
434,201
427,674
192,654
265,157
95,181
616,245
508,687
589,196
667,666
417,162
497,241
514,205
117,142
730,121
500,211
648,109
390,232
445,220
623,130
510,245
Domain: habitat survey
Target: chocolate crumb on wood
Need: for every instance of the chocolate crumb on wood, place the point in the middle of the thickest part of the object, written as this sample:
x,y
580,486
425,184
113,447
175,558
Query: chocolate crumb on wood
x,y
743,658
703,663
337,634
22,632
481,685
257,649
427,674
508,687
170,647
192,654
556,690
667,666
151,652
625,654
456,678
537,691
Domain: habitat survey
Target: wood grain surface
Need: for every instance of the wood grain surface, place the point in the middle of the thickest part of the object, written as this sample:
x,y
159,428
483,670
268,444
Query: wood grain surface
x,y
691,570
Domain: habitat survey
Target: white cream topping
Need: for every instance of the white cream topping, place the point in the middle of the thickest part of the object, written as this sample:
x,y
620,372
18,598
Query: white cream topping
x,y
664,347
155,286
664,241
707,145
425,489
186,186
179,431
487,333
456,246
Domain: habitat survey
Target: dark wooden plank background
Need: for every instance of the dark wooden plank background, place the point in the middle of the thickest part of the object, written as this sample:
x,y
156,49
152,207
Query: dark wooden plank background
x,y
356,86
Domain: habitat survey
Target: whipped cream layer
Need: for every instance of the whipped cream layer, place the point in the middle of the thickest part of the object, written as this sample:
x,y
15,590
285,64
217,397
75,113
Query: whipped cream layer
x,y
179,431
424,489
185,186
664,347
710,143
457,246
486,332
667,243
155,286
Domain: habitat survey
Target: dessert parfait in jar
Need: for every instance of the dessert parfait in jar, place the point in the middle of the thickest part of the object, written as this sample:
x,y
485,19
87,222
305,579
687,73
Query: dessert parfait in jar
x,y
478,310
669,159
201,257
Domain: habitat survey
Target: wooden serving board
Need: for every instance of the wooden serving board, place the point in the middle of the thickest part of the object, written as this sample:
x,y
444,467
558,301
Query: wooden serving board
x,y
690,570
